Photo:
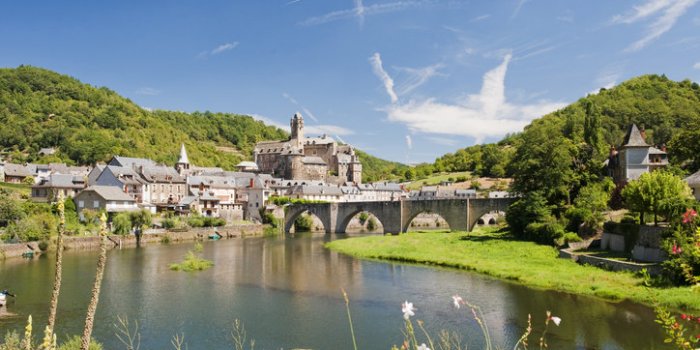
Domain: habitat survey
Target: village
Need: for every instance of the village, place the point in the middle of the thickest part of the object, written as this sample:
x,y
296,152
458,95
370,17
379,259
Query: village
x,y
301,169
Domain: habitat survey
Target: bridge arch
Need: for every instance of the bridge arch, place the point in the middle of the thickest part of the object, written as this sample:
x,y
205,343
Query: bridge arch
x,y
320,211
430,220
344,221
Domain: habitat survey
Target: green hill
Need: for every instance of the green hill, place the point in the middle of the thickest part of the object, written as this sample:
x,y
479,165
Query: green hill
x,y
668,110
86,124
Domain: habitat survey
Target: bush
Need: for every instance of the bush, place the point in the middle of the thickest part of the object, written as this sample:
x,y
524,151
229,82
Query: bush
x,y
363,217
544,232
371,224
121,224
569,237
195,221
168,223
43,245
303,223
529,209
34,228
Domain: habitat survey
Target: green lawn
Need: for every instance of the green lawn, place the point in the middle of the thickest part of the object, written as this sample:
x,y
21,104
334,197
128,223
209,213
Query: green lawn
x,y
21,188
435,179
527,263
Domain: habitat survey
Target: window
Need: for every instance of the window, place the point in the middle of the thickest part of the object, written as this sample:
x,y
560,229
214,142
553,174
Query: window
x,y
81,204
95,204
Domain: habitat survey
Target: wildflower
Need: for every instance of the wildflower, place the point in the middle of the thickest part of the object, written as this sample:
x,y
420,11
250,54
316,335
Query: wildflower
x,y
457,301
556,320
684,317
675,250
689,215
423,347
407,309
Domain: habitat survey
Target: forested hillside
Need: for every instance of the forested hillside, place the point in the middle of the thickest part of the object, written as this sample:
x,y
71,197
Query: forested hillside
x,y
86,124
579,135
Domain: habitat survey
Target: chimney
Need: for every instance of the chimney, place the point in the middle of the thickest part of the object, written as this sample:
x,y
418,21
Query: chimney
x,y
663,147
251,183
643,133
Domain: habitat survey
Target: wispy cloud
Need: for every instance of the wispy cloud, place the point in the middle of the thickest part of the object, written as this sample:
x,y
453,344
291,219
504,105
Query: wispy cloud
x,y
376,62
518,6
148,91
416,77
445,141
696,65
360,12
218,50
291,2
307,112
481,115
666,13
409,142
480,18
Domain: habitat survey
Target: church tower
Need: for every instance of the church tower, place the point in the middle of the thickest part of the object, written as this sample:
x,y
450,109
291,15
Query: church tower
x,y
297,126
183,164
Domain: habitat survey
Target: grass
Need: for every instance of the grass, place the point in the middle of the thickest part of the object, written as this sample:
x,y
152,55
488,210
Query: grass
x,y
435,179
193,261
499,255
21,188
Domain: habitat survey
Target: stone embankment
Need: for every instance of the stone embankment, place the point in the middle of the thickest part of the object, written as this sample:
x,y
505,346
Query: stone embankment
x,y
151,236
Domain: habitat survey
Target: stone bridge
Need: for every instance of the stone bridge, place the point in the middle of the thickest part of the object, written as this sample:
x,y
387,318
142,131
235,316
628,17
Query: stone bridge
x,y
396,216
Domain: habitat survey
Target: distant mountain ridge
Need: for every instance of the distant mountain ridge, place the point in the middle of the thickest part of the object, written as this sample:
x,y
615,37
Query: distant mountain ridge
x,y
40,108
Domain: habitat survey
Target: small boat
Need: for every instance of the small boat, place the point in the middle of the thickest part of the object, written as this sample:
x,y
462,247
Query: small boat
x,y
215,236
28,254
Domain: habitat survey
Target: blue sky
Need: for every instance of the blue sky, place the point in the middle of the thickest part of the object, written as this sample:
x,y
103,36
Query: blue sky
x,y
406,80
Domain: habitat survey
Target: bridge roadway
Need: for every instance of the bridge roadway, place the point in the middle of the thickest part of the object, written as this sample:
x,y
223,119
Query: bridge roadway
x,y
395,216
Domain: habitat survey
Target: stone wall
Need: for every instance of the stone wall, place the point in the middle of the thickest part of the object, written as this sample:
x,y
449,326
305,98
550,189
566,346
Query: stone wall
x,y
610,264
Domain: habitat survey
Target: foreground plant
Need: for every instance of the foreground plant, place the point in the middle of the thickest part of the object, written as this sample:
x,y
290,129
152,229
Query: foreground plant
x,y
683,333
53,305
92,307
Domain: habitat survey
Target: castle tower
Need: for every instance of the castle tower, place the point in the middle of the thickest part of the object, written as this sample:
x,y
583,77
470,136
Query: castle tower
x,y
297,126
183,164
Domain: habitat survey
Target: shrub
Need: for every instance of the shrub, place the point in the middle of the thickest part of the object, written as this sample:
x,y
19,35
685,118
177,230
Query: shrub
x,y
168,223
371,224
529,209
121,224
303,223
548,232
363,217
43,245
195,221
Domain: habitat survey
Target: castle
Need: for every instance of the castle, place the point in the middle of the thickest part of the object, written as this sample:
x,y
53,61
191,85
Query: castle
x,y
298,158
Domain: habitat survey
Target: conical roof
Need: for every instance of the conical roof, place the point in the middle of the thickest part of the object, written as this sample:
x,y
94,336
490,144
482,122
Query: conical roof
x,y
183,155
634,138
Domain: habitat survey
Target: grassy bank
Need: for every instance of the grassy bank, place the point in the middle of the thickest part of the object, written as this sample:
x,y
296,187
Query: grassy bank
x,y
527,263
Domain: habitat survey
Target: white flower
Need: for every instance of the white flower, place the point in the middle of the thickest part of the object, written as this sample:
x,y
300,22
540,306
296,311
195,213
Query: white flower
x,y
423,347
457,301
556,320
407,309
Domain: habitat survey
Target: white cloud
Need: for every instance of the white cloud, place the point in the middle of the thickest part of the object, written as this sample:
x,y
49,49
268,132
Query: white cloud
x,y
416,77
269,121
290,98
480,18
219,49
292,2
486,114
608,78
148,91
445,141
307,112
360,11
376,61
696,65
666,12
327,129
409,142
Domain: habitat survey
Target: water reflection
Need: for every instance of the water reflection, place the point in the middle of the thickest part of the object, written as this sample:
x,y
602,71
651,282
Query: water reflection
x,y
287,292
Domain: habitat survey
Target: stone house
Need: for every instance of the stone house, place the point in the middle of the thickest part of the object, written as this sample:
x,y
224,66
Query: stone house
x,y
634,158
124,178
17,173
326,193
694,184
48,190
110,199
388,191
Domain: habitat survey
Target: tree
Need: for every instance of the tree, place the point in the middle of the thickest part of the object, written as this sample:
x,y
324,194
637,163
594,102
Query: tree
x,y
410,174
10,210
658,193
529,209
140,219
121,224
589,205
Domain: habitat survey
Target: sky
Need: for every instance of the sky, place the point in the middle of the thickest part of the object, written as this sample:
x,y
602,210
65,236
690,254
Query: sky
x,y
405,80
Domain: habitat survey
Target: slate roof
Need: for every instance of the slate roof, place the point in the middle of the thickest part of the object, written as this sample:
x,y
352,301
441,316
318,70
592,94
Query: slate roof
x,y
161,173
634,138
126,175
110,193
17,170
317,190
131,162
62,181
387,186
212,181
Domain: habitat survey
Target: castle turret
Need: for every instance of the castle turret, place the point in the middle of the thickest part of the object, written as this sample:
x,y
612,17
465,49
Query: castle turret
x,y
297,126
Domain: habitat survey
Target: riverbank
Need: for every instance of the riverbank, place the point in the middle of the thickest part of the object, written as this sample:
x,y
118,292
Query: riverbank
x,y
527,263
152,236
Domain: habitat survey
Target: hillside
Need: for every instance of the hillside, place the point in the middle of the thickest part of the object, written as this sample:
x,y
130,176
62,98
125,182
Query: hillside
x,y
668,110
86,124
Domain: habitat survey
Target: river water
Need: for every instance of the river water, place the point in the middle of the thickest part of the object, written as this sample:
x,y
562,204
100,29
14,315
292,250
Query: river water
x,y
287,293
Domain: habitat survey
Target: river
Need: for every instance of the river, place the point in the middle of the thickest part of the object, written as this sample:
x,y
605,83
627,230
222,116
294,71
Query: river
x,y
287,293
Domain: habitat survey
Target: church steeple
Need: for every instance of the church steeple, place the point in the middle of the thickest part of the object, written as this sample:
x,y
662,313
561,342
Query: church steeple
x,y
183,163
